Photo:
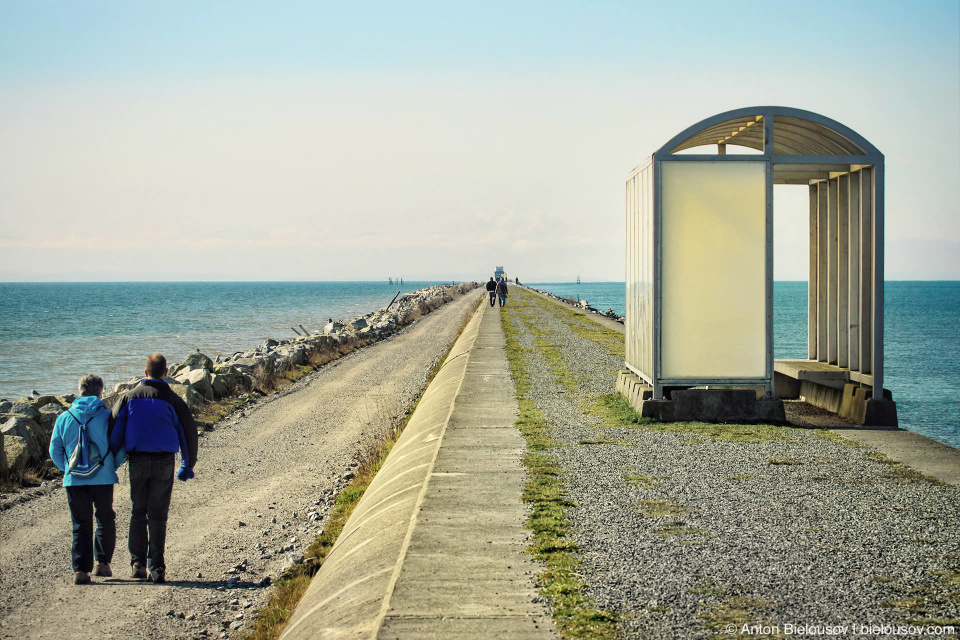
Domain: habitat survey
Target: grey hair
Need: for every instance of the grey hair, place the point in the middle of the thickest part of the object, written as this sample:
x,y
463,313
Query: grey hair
x,y
90,385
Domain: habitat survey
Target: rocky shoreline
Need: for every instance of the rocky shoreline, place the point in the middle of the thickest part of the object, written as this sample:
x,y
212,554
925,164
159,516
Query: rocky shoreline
x,y
581,304
26,424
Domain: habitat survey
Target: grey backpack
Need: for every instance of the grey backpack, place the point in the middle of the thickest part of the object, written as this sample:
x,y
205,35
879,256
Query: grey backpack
x,y
85,460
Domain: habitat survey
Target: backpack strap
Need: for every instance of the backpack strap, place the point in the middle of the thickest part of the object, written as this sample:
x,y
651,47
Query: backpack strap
x,y
82,424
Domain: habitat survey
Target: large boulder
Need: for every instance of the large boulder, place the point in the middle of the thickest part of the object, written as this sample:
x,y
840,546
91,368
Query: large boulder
x,y
122,387
24,409
68,399
43,401
198,361
190,395
31,434
386,325
246,365
109,399
221,384
48,417
16,453
200,380
357,325
296,355
331,327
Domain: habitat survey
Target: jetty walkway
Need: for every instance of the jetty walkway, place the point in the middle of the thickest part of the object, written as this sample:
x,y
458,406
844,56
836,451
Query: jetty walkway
x,y
681,530
436,547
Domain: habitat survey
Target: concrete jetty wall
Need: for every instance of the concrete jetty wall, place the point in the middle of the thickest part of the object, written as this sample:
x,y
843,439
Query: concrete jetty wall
x,y
350,594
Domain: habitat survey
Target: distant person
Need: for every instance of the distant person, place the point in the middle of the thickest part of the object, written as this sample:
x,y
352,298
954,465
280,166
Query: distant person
x,y
502,291
89,486
152,423
492,290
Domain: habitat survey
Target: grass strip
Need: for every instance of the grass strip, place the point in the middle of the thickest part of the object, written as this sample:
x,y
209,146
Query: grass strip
x,y
576,615
523,309
611,340
287,592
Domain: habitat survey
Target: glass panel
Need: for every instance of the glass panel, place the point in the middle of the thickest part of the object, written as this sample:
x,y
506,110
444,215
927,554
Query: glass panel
x,y
639,329
714,269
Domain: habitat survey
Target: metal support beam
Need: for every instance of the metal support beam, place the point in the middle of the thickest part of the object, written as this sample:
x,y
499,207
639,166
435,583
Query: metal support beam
x,y
866,271
812,278
822,271
769,280
832,268
854,285
843,269
878,282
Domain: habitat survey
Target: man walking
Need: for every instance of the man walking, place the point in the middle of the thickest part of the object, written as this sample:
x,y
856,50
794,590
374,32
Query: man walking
x,y
152,423
492,290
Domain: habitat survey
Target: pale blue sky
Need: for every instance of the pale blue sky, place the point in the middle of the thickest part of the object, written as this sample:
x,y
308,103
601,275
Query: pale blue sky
x,y
433,140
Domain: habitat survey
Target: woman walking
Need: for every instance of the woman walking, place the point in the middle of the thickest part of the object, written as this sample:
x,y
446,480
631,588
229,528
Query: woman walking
x,y
90,471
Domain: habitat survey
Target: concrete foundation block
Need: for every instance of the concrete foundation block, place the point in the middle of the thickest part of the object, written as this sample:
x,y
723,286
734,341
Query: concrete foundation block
x,y
725,405
785,387
635,390
705,405
881,413
859,405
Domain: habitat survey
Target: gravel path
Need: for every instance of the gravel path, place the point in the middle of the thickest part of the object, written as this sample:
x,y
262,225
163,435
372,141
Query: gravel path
x,y
266,477
798,529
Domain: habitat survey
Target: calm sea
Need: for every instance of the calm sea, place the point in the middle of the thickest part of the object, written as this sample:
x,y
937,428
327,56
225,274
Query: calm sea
x,y
921,343
52,333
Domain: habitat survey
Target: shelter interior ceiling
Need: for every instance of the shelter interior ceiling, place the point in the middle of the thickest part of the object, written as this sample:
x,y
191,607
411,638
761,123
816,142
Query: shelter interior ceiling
x,y
791,136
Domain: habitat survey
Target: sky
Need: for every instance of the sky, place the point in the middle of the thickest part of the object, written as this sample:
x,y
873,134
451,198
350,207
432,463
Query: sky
x,y
434,140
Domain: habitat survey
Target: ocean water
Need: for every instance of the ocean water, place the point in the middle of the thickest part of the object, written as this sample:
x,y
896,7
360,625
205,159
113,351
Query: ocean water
x,y
52,333
921,343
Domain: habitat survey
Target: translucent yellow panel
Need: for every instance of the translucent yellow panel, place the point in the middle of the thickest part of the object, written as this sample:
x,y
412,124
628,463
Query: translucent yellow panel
x,y
714,244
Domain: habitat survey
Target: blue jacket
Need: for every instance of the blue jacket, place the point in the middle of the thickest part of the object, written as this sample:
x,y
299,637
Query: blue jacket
x,y
66,433
151,418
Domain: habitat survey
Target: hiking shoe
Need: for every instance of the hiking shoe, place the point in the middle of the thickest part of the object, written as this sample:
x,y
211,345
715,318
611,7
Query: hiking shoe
x,y
139,572
103,570
81,577
156,576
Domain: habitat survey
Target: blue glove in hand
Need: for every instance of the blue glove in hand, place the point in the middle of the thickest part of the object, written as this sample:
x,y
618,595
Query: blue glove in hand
x,y
185,473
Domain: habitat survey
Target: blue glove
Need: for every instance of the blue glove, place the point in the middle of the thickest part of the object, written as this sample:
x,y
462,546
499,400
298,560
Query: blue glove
x,y
185,473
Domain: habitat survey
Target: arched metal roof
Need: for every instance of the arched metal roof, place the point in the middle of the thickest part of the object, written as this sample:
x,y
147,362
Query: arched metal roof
x,y
795,132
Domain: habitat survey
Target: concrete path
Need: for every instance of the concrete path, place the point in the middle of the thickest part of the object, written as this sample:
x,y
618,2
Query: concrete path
x,y
436,546
924,454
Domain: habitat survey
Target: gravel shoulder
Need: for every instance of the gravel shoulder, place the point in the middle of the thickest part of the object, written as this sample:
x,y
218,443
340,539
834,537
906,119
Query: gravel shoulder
x,y
684,533
266,478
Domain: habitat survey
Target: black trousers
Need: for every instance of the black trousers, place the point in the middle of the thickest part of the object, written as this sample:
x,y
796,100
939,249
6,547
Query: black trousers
x,y
83,500
151,485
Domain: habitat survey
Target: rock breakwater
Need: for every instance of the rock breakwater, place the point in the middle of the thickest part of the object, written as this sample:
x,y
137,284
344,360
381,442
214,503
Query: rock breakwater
x,y
26,424
582,304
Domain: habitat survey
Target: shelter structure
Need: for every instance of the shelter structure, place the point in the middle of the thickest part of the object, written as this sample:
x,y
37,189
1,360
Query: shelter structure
x,y
699,281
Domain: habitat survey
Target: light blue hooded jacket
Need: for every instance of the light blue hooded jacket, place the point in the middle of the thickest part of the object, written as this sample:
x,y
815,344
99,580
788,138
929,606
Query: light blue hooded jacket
x,y
66,434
